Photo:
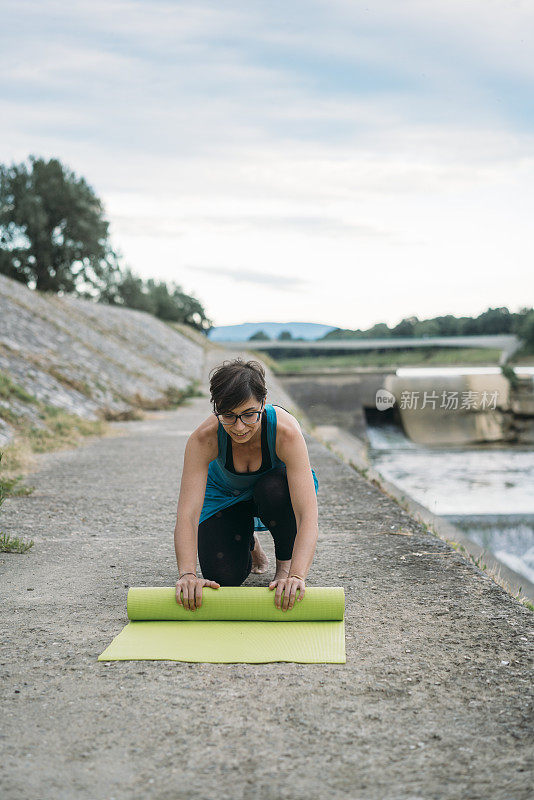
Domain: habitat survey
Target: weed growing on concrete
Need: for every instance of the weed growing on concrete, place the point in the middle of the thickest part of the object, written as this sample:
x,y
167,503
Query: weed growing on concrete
x,y
176,397
12,544
73,383
61,429
8,486
10,389
172,398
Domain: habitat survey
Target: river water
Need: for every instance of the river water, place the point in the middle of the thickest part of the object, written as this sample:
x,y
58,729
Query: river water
x,y
486,491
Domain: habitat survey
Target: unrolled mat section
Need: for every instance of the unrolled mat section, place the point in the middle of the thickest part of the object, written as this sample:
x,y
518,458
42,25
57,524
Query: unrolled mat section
x,y
234,624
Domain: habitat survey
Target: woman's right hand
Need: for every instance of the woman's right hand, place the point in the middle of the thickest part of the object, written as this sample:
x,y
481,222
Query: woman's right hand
x,y
191,587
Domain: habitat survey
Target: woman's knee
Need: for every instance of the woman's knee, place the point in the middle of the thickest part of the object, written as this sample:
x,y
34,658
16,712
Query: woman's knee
x,y
225,571
227,576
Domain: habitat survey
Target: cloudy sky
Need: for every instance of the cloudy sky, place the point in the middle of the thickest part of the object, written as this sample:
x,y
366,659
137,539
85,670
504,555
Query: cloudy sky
x,y
330,161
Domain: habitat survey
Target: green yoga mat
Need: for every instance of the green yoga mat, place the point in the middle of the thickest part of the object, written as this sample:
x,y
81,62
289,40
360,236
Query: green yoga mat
x,y
234,624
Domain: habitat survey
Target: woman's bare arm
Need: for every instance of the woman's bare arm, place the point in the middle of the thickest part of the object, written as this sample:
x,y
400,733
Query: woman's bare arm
x,y
201,448
291,448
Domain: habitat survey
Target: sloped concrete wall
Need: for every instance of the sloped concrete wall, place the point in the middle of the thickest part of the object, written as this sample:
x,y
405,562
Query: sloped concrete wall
x,y
87,358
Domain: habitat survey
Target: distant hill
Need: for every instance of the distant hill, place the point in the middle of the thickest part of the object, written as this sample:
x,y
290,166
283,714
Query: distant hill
x,y
241,333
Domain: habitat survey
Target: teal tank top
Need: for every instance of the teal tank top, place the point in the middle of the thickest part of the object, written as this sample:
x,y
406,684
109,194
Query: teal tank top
x,y
224,488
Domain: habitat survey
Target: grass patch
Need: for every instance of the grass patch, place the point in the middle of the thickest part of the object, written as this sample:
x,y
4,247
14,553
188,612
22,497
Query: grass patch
x,y
126,415
62,430
17,457
176,397
9,487
524,356
415,357
191,333
12,544
10,389
172,398
73,383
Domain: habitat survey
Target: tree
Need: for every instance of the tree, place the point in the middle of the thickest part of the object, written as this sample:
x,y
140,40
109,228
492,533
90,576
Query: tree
x,y
176,306
53,235
127,289
380,330
525,328
426,327
259,336
155,297
495,320
405,327
284,336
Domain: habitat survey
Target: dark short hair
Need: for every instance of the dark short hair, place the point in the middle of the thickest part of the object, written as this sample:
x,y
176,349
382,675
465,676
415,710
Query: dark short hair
x,y
233,382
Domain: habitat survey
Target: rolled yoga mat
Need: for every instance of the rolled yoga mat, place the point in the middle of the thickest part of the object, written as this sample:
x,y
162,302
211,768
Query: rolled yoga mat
x,y
234,624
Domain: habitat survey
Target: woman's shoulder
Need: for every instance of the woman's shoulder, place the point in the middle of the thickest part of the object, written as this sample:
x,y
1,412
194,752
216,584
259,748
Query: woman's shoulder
x,y
205,437
287,426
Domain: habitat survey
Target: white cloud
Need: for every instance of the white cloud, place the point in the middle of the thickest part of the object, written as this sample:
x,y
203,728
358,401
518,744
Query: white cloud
x,y
351,155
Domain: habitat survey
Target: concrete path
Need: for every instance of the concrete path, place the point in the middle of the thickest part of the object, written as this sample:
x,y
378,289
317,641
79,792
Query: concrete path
x,y
435,700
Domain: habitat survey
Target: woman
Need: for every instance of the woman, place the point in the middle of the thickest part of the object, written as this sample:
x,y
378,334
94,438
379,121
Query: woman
x,y
246,468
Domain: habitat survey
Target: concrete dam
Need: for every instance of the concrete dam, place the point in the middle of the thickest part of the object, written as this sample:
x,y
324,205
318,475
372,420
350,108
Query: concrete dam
x,y
433,406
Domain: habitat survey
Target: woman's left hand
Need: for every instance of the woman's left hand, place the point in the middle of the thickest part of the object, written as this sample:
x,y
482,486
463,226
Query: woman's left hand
x,y
287,586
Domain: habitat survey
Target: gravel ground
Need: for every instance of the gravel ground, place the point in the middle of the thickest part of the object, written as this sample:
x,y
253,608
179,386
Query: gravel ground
x,y
435,700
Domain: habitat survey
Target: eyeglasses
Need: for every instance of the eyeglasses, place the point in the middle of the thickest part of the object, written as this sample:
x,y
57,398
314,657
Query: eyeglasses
x,y
249,417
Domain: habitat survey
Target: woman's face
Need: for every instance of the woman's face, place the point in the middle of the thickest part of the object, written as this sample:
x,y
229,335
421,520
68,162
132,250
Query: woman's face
x,y
241,431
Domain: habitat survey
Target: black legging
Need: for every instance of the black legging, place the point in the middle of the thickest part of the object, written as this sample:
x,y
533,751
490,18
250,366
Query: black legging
x,y
226,538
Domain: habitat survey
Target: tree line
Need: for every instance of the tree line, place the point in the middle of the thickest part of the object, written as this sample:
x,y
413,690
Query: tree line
x,y
54,237
492,321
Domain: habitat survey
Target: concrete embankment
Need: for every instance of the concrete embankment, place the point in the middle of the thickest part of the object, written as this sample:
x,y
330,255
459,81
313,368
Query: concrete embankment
x,y
434,701
88,359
